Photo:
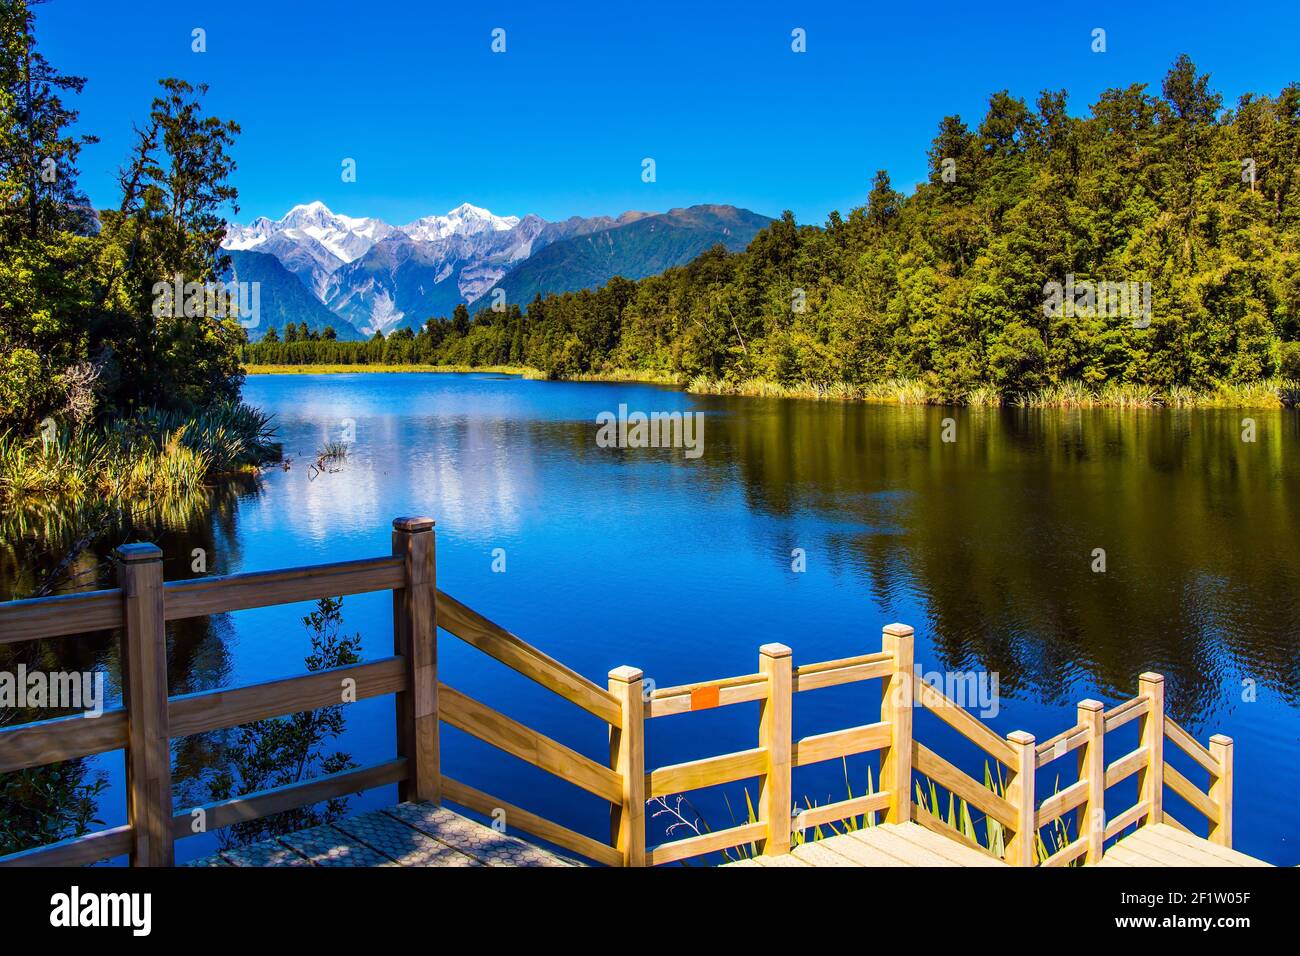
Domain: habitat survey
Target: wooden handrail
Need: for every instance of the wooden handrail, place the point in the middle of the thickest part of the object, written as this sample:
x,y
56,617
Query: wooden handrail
x,y
495,641
35,618
147,721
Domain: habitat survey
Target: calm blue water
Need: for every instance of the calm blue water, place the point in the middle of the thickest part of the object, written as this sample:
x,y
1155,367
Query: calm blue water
x,y
683,568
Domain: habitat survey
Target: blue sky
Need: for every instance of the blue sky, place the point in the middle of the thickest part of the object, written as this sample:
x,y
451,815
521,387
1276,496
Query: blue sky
x,y
558,125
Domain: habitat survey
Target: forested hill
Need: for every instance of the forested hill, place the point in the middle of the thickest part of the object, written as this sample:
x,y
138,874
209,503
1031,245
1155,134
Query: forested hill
x,y
1190,206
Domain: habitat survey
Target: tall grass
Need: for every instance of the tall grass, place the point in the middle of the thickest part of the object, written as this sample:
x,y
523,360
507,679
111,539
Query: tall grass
x,y
1271,393
158,455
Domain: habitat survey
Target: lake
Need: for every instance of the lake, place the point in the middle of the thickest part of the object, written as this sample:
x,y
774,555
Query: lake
x,y
683,566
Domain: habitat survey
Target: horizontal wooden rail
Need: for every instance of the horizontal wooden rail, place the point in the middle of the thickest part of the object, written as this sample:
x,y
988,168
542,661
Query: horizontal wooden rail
x,y
36,618
1067,854
1125,766
75,851
291,796
229,707
1054,748
929,763
844,671
1061,803
956,717
1121,714
495,641
1192,747
704,843
840,743
479,802
61,738
841,810
221,594
1126,819
490,726
708,772
705,695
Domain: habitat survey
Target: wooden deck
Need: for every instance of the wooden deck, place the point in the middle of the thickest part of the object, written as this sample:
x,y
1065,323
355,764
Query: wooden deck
x,y
1159,844
887,845
409,834
418,832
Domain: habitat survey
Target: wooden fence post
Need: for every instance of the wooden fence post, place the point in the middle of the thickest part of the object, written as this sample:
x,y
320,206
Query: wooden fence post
x,y
627,758
897,694
1221,790
1091,818
144,689
1151,778
774,736
415,639
1020,793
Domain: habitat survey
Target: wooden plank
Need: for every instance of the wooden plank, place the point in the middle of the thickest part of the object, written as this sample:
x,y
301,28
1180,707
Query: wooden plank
x,y
627,758
859,853
221,594
1205,846
932,823
847,670
1221,790
415,631
1125,820
1061,803
774,739
815,854
890,841
841,810
1180,785
1190,746
230,707
965,724
708,772
1126,766
480,802
1121,714
958,852
897,699
264,803
705,843
75,851
36,618
841,743
477,631
44,742
465,713
144,693
1059,746
1168,851
957,782
1067,854
685,698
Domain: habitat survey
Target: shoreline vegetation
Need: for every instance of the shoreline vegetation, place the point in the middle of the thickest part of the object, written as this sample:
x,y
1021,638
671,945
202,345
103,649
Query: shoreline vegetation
x,y
1268,394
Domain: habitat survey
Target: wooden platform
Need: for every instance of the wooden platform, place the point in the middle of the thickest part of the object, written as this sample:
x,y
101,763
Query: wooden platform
x,y
909,844
410,834
1162,845
887,845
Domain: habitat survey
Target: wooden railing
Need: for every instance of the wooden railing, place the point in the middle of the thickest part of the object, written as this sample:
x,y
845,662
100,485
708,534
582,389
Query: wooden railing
x,y
144,725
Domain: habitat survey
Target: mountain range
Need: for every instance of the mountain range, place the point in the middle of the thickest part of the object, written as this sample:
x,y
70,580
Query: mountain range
x,y
362,275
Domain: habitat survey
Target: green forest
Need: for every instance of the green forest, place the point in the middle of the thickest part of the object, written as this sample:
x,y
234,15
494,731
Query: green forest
x,y
944,291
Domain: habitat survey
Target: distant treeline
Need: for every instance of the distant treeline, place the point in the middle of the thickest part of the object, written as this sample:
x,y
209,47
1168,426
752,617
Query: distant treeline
x,y
1188,210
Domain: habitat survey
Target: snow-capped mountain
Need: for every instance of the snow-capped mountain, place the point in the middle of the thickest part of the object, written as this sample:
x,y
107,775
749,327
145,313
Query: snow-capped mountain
x,y
464,220
376,277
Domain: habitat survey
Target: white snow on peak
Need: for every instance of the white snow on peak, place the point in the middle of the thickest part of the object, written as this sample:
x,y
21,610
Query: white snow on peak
x,y
464,220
